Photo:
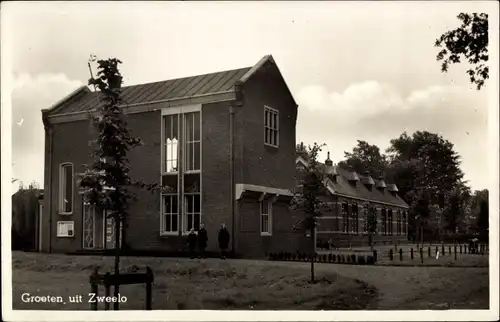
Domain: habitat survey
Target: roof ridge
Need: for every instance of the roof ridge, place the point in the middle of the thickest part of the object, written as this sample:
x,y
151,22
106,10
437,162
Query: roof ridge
x,y
184,77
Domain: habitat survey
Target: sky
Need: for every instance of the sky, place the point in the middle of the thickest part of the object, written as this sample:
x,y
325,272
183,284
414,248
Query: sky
x,y
358,70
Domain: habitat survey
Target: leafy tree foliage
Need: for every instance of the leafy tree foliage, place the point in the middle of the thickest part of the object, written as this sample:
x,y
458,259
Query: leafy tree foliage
x,y
425,168
308,199
482,210
469,41
365,157
106,183
456,206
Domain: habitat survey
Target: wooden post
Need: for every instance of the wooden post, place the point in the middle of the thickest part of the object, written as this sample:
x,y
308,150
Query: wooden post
x,y
429,251
460,248
465,249
94,287
422,255
106,290
390,254
149,283
455,252
437,249
449,249
442,250
411,253
374,256
401,254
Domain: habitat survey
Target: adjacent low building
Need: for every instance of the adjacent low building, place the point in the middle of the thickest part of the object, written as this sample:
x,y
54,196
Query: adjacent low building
x,y
350,197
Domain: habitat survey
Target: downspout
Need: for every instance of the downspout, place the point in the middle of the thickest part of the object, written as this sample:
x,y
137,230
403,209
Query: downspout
x,y
49,133
237,102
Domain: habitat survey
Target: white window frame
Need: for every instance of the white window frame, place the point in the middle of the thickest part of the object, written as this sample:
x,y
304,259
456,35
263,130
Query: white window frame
x,y
273,128
399,223
383,220
181,111
185,227
66,235
165,145
191,144
344,215
62,188
163,215
366,212
269,216
354,218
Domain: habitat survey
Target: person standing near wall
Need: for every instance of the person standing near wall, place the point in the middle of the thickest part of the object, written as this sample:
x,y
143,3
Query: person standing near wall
x,y
223,241
202,240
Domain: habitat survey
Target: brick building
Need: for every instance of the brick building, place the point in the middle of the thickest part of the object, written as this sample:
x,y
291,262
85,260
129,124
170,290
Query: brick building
x,y
350,195
222,143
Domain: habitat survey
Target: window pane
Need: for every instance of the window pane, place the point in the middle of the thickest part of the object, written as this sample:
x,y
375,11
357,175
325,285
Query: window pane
x,y
275,120
190,222
167,223
275,137
266,118
175,222
197,154
197,202
189,202
175,127
196,222
189,126
68,193
196,126
189,156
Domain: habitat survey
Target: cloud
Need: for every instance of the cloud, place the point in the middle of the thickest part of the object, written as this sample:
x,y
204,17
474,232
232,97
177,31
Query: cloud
x,y
377,112
31,94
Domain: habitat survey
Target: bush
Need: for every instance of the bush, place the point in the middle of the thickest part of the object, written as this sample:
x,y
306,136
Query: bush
x,y
353,258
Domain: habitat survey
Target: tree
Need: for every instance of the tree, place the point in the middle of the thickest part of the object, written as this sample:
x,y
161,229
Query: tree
x,y
469,41
365,157
308,199
483,215
106,183
454,211
423,162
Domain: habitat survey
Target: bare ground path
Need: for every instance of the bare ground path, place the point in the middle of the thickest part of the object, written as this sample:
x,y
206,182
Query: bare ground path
x,y
415,288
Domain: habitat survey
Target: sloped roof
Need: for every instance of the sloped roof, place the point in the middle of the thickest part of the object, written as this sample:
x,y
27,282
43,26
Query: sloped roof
x,y
85,100
342,186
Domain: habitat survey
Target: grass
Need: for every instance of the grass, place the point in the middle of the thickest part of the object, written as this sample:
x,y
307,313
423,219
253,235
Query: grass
x,y
189,284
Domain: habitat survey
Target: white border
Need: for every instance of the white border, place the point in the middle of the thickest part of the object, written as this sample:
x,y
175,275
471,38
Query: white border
x,y
451,315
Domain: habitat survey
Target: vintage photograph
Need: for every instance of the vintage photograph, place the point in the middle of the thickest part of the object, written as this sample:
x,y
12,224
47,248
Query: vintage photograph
x,y
250,156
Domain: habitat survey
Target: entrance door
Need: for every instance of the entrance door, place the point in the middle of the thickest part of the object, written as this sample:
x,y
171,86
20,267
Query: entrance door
x,y
93,228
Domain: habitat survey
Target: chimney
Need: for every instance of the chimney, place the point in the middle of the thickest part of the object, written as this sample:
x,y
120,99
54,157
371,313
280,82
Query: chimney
x,y
353,176
301,151
368,180
381,183
328,162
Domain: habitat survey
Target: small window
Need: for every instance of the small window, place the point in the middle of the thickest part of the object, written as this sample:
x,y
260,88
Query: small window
x,y
345,218
271,126
192,211
170,214
65,229
265,217
66,188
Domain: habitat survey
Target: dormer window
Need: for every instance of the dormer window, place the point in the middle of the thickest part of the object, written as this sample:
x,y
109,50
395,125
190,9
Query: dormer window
x,y
381,183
